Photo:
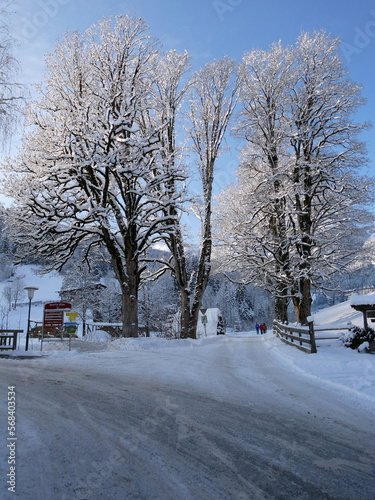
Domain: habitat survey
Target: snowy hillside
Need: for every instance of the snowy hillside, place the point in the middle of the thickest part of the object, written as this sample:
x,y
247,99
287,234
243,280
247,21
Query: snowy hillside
x,y
26,275
338,315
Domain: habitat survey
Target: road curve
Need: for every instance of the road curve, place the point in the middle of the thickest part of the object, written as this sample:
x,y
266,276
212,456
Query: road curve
x,y
99,434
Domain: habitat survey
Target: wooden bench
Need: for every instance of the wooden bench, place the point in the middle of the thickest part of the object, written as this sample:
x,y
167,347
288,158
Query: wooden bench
x,y
8,339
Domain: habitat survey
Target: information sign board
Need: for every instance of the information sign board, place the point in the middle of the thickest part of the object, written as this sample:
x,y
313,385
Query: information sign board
x,y
54,314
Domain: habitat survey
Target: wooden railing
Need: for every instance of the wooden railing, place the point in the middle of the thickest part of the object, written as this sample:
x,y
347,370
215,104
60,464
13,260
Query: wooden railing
x,y
297,336
306,334
8,339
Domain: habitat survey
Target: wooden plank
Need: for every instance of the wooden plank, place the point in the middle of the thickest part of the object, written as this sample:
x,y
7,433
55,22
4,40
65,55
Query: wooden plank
x,y
327,338
301,348
330,329
298,339
294,329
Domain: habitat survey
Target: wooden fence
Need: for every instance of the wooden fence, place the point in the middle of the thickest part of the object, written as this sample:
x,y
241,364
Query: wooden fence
x,y
297,336
8,339
306,335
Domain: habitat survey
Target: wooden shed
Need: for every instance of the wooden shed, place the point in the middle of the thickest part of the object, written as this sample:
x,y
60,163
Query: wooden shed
x,y
365,304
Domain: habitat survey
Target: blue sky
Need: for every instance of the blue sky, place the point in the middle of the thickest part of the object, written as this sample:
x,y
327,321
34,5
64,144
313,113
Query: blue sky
x,y
210,29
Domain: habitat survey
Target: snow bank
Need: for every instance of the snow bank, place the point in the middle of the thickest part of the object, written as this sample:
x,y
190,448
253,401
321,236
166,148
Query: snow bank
x,y
97,336
149,343
334,366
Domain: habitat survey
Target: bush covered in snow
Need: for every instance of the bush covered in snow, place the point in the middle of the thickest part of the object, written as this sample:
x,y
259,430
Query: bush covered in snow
x,y
357,336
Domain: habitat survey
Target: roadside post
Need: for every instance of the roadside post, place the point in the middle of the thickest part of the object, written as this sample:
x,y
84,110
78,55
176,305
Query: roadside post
x,y
70,327
30,292
204,320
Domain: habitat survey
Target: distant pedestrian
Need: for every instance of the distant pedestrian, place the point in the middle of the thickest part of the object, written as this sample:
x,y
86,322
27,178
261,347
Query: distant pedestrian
x,y
257,328
263,328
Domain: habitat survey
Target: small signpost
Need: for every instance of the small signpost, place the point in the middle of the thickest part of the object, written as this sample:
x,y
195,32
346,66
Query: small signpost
x,y
53,317
204,320
54,314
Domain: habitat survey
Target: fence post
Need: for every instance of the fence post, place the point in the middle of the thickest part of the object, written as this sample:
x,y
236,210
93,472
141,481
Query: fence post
x,y
312,337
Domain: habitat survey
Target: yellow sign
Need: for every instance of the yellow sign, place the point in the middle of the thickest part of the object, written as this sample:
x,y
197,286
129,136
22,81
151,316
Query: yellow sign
x,y
72,316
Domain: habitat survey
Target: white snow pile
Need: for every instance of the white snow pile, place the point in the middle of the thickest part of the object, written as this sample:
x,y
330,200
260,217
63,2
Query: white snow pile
x,y
97,336
334,364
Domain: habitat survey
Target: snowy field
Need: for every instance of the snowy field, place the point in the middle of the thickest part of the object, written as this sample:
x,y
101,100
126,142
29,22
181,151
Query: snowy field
x,y
240,416
334,365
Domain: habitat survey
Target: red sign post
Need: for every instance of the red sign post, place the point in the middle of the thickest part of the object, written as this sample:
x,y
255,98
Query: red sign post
x,y
54,314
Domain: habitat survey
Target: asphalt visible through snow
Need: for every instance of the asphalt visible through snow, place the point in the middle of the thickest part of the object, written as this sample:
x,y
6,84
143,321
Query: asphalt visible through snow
x,y
84,432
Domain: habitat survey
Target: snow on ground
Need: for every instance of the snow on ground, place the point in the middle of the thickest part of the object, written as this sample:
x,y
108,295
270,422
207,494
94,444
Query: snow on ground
x,y
230,416
334,365
339,315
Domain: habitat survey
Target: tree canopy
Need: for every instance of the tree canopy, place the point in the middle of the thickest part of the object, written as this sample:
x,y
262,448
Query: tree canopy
x,y
290,220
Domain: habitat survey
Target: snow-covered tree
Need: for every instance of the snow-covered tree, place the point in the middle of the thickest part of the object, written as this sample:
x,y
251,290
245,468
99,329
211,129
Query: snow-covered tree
x,y
14,292
108,305
262,123
158,301
170,92
211,100
4,316
90,170
7,293
6,250
10,90
288,222
326,157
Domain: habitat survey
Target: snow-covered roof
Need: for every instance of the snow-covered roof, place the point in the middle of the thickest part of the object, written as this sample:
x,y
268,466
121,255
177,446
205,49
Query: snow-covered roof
x,y
363,300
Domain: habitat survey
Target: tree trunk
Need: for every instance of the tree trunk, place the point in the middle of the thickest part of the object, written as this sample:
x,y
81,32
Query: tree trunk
x,y
127,275
302,301
129,315
185,313
194,320
130,295
281,309
204,268
305,307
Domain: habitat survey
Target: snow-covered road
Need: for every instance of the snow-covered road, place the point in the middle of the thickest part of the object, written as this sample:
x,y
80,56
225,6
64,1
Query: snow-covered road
x,y
220,419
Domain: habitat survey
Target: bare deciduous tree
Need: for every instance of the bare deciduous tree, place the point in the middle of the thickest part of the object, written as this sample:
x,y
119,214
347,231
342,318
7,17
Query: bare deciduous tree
x,y
89,171
10,90
300,196
211,100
